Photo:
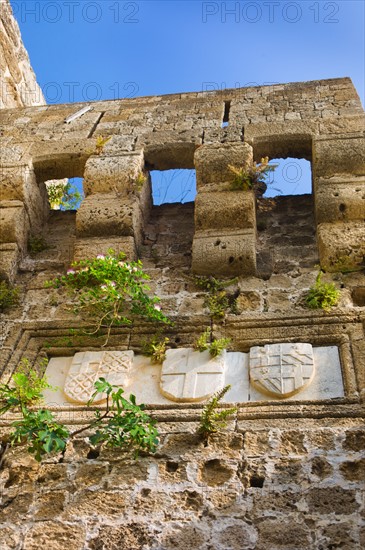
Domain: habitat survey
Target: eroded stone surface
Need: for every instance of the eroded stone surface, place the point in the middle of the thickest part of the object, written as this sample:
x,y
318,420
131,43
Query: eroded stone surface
x,y
18,85
286,474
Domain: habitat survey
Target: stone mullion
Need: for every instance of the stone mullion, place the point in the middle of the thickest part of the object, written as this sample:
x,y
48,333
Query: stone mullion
x,y
22,212
112,214
339,195
225,220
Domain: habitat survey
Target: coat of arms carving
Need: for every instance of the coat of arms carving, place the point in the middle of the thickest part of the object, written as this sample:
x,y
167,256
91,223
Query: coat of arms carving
x,y
281,370
189,375
88,366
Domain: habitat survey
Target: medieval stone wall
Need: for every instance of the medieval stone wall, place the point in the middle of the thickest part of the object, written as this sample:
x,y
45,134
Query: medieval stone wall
x,y
288,473
18,85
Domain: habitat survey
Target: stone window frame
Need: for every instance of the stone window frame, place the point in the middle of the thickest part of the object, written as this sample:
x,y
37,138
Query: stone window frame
x,y
59,167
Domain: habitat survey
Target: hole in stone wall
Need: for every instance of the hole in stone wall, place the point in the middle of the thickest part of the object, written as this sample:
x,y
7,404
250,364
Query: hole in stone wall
x,y
65,194
92,454
172,467
257,481
227,107
358,296
173,186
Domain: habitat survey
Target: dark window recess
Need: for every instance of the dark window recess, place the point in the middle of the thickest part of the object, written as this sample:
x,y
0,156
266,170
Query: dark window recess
x,y
227,107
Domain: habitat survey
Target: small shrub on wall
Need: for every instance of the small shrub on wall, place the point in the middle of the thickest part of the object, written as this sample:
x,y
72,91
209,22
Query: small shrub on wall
x,y
109,291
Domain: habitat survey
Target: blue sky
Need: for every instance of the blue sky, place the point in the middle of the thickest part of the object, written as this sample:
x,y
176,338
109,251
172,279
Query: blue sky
x,y
84,50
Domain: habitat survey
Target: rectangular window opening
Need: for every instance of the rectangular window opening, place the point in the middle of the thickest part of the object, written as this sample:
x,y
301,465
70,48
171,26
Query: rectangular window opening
x,y
65,194
173,186
227,107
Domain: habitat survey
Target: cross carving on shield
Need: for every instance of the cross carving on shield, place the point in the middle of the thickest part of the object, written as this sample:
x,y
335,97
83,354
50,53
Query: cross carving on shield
x,y
88,366
189,375
282,370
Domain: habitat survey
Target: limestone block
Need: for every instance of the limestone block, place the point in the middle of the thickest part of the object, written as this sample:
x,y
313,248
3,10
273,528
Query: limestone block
x,y
212,161
340,200
56,535
18,183
225,210
107,214
189,375
12,222
91,247
13,180
167,150
117,144
104,174
282,139
341,125
281,370
224,253
339,156
340,243
11,153
88,366
9,257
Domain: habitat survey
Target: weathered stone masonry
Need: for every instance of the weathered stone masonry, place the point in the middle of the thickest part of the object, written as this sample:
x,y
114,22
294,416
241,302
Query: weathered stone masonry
x,y
320,121
287,473
18,85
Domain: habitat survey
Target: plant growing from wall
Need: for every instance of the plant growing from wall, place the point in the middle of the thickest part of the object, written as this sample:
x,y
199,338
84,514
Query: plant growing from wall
x,y
212,420
203,342
217,304
123,424
218,345
9,296
140,181
37,429
252,177
206,341
218,301
110,291
101,141
322,295
41,432
36,244
211,284
156,349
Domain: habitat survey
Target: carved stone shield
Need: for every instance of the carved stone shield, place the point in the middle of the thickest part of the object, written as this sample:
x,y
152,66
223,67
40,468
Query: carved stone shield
x,y
88,366
281,370
189,375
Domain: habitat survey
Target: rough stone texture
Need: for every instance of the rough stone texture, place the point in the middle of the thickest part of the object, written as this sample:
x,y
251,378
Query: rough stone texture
x,y
319,120
224,253
283,475
18,85
340,200
341,242
231,497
